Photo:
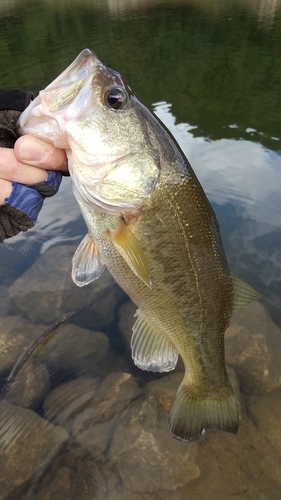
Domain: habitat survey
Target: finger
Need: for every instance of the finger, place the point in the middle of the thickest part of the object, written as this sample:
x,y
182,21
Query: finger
x,y
5,190
35,152
13,170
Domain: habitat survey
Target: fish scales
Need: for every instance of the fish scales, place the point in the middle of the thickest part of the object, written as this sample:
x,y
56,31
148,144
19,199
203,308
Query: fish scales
x,y
150,223
176,285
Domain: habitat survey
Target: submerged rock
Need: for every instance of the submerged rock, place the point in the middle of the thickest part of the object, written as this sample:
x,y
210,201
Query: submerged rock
x,y
121,431
75,351
46,291
67,400
58,486
266,415
5,301
28,443
11,259
73,477
253,349
236,466
89,408
117,491
32,382
30,385
93,427
146,456
16,334
86,484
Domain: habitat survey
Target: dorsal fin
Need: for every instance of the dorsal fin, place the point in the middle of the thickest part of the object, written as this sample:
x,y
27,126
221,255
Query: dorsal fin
x,y
242,293
150,350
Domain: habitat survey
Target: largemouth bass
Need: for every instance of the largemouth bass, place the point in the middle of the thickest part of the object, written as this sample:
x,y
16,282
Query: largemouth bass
x,y
150,223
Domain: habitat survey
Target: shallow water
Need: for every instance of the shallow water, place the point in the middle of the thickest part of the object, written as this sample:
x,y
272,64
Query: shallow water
x,y
211,72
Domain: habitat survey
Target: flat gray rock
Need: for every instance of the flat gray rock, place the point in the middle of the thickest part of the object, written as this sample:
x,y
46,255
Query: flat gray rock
x,y
147,458
30,385
28,443
46,291
67,400
266,414
76,351
79,478
93,427
5,301
16,334
236,466
253,349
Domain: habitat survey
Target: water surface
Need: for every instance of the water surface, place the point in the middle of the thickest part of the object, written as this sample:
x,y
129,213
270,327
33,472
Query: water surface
x,y
211,71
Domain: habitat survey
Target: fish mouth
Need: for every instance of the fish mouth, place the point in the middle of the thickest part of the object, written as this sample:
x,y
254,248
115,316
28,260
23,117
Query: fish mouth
x,y
79,69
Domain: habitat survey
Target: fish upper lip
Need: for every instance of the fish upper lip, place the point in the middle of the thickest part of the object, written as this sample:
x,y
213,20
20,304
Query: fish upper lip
x,y
93,58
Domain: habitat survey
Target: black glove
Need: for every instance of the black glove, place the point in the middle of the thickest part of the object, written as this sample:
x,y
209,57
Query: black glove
x,y
21,209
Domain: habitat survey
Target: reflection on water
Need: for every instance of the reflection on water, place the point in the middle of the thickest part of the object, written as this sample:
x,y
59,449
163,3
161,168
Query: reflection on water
x,y
80,421
265,10
231,171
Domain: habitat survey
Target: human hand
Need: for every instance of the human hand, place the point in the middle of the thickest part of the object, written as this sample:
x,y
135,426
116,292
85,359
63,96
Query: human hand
x,y
28,174
30,169
28,163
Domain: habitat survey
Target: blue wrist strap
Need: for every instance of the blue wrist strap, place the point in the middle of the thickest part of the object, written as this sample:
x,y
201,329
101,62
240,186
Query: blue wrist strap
x,y
54,180
50,186
29,200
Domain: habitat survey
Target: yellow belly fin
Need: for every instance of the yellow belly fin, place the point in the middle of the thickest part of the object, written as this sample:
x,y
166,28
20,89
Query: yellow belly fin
x,y
242,293
151,351
87,265
128,246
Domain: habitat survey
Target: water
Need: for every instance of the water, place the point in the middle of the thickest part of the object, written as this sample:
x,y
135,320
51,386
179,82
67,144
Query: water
x,y
211,71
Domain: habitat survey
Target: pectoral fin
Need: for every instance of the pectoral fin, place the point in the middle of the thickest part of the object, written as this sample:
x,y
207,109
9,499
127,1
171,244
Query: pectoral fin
x,y
242,293
128,246
150,349
87,265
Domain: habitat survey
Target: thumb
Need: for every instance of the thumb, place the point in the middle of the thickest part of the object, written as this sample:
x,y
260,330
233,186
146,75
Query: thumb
x,y
36,152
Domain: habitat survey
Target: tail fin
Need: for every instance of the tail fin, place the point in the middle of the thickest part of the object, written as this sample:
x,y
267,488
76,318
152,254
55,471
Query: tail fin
x,y
194,411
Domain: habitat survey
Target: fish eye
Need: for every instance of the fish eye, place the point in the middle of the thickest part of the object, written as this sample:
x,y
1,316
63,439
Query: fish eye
x,y
116,98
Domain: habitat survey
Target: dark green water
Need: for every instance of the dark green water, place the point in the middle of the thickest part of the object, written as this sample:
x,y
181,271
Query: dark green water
x,y
216,65
211,70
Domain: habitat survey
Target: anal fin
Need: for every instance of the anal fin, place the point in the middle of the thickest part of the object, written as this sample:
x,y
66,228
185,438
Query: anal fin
x,y
150,350
87,265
